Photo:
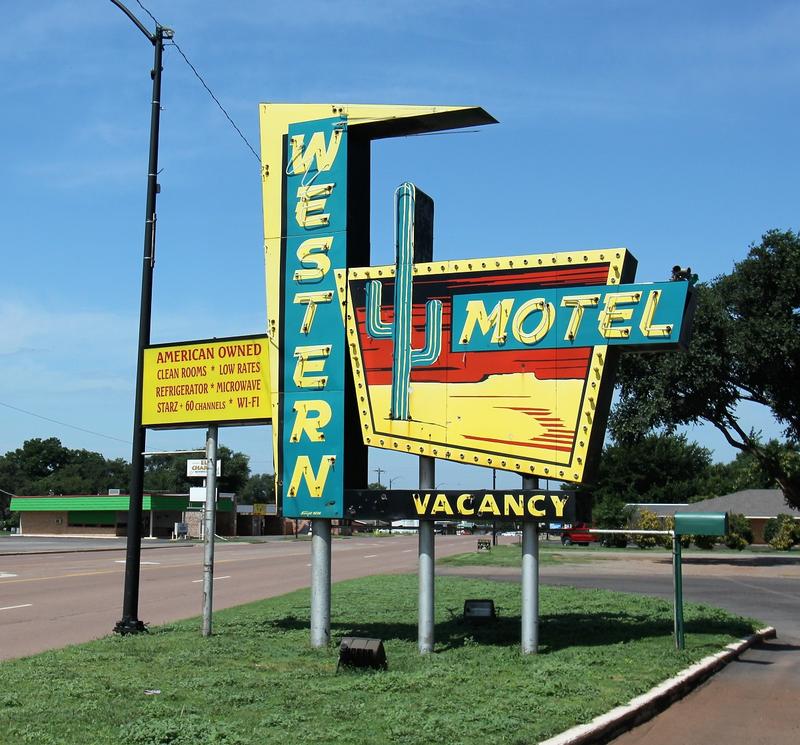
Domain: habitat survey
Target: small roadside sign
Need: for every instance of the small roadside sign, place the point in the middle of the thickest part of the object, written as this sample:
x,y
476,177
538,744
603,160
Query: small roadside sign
x,y
198,467
198,494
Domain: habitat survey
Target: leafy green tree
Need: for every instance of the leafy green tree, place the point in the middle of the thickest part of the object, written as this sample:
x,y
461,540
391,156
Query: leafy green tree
x,y
745,347
45,466
260,487
168,472
655,468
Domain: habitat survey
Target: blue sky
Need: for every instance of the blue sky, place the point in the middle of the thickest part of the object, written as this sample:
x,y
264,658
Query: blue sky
x,y
668,128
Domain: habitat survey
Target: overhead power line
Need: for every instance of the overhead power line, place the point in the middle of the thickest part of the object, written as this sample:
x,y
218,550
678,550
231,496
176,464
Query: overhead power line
x,y
216,100
64,424
205,85
152,17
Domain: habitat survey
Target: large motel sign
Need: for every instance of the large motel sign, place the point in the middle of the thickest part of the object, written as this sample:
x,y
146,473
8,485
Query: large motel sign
x,y
506,362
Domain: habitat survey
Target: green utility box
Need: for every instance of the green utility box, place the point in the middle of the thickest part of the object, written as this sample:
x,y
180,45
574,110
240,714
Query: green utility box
x,y
701,523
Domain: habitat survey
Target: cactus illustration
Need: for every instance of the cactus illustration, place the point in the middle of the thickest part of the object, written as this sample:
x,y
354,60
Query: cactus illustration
x,y
407,214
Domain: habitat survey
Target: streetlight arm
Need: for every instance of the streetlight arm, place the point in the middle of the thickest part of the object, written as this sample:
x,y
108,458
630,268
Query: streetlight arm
x,y
150,37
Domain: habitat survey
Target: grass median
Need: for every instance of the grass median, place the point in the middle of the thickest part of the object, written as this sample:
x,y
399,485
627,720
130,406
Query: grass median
x,y
258,681
511,556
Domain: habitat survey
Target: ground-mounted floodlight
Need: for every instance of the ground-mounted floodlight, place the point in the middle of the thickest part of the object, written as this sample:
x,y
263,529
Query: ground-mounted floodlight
x,y
479,610
357,651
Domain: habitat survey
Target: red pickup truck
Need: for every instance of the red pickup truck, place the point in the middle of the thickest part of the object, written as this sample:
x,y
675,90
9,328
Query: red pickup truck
x,y
578,533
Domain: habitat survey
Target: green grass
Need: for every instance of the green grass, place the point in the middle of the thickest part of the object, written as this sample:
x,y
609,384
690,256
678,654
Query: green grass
x,y
511,556
258,681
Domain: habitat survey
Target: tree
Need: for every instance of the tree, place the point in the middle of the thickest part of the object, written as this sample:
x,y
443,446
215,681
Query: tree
x,y
745,471
260,487
168,472
47,467
745,347
655,468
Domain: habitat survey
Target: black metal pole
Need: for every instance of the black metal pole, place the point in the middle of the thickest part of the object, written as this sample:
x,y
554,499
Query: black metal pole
x,y
130,623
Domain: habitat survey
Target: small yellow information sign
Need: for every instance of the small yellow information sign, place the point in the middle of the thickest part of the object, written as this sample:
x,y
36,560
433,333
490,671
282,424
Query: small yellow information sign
x,y
193,383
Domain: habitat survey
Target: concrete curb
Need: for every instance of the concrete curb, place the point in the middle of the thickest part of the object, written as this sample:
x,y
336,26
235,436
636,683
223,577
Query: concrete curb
x,y
607,726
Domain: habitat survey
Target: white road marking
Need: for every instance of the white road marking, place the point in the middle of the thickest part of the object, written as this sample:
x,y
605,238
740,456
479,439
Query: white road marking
x,y
151,563
370,556
6,575
12,607
407,550
227,576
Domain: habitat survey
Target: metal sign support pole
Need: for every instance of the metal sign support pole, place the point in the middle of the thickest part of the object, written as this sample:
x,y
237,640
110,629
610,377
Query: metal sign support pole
x,y
320,583
530,579
425,635
209,528
678,585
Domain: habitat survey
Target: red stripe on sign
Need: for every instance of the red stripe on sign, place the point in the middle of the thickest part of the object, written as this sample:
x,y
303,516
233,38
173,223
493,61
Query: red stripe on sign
x,y
528,444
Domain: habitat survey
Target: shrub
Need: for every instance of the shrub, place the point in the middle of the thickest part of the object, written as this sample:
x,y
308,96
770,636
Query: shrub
x,y
771,529
666,540
705,542
614,540
735,541
782,532
739,534
647,520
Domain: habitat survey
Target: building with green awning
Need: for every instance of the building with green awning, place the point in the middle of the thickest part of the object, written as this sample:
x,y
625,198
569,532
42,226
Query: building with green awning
x,y
107,515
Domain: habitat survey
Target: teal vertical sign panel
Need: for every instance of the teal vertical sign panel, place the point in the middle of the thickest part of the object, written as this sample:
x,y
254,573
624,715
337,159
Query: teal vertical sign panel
x,y
313,353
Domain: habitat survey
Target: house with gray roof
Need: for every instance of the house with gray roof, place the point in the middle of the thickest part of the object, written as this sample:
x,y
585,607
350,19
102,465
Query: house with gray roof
x,y
757,505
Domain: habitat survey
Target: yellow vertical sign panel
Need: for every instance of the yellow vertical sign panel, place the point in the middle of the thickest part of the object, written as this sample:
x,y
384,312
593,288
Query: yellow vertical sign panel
x,y
224,381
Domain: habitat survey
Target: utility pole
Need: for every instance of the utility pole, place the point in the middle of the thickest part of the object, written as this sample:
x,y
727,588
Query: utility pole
x,y
130,623
379,471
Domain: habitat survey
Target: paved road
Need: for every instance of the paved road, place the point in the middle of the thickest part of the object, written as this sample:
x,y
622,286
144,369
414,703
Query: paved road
x,y
23,544
50,600
754,700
